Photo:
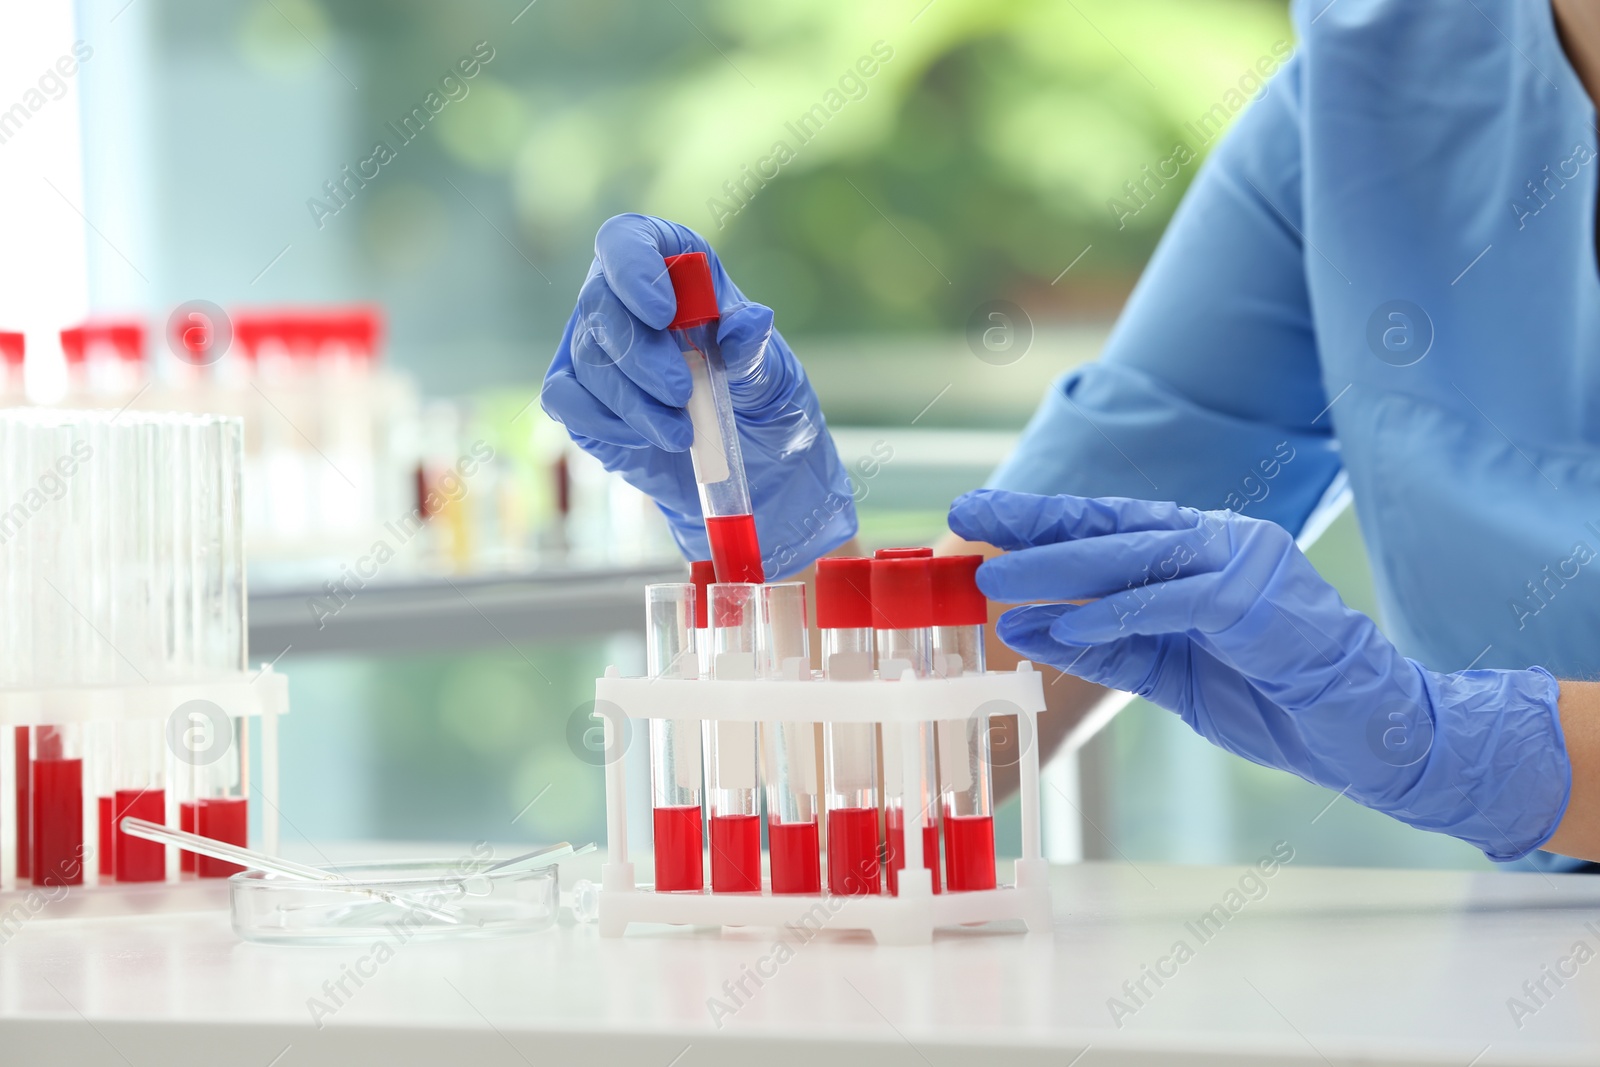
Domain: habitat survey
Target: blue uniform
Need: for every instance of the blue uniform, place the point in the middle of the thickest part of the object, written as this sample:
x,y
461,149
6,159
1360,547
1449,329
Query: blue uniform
x,y
1388,268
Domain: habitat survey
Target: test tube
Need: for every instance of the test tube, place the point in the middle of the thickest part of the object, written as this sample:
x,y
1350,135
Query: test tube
x,y
702,574
732,758
139,774
902,610
670,610
718,463
850,772
789,749
965,792
57,805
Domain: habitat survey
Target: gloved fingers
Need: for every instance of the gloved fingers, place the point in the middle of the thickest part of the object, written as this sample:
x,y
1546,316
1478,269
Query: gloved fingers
x,y
630,249
757,374
661,425
1158,608
1099,566
605,335
1021,520
1127,664
569,403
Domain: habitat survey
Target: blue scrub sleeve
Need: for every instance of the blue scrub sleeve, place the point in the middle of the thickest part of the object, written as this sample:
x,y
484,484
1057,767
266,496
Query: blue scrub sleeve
x,y
1209,391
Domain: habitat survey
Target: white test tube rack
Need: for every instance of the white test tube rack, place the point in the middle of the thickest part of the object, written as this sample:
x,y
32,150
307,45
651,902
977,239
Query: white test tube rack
x,y
907,919
262,695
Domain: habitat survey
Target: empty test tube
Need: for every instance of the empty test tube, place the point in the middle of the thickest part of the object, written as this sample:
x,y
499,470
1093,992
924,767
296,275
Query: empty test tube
x,y
850,775
675,777
965,791
902,610
732,758
789,749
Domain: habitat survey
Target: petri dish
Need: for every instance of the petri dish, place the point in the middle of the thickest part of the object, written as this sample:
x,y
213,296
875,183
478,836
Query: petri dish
x,y
423,899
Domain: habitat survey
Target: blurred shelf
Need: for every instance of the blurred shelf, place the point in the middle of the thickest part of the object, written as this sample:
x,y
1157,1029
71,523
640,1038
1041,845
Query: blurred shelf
x,y
434,613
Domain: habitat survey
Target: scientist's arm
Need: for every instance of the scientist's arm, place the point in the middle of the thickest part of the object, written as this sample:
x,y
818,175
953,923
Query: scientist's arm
x,y
1219,618
1579,832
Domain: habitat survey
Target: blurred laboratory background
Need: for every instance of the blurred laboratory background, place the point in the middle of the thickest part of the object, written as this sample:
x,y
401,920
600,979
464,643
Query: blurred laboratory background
x,y
393,205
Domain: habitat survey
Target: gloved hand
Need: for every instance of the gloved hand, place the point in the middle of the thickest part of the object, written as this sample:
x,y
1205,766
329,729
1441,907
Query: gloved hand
x,y
619,384
1220,618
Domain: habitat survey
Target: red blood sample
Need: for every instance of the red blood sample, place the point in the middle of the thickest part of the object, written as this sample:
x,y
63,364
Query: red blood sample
x,y
107,816
679,867
969,852
796,857
853,863
221,819
186,823
896,859
138,860
57,822
736,853
734,550
24,796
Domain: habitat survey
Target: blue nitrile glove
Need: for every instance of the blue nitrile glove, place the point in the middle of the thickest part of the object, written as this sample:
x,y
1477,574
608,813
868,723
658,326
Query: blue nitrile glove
x,y
1220,618
619,385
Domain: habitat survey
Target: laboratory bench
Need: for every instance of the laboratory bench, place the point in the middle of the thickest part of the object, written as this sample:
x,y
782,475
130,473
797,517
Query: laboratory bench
x,y
1306,965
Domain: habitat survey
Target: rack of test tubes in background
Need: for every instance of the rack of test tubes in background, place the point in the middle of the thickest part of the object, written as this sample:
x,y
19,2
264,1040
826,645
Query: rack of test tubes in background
x,y
123,681
872,777
339,450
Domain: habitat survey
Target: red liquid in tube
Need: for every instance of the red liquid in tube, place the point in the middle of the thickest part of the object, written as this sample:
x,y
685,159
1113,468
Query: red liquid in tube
x,y
736,853
107,815
896,851
679,847
138,860
57,822
24,798
796,857
221,819
853,862
735,553
969,852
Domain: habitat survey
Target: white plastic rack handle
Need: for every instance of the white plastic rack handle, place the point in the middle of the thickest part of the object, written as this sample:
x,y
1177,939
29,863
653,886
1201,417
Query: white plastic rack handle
x,y
909,918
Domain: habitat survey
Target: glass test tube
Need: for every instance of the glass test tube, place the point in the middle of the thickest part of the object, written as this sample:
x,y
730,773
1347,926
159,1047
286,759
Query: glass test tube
x,y
965,792
139,776
56,805
718,463
902,609
675,776
789,749
850,774
732,758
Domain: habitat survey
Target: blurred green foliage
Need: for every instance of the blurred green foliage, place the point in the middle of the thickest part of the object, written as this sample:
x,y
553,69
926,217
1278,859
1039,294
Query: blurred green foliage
x,y
976,160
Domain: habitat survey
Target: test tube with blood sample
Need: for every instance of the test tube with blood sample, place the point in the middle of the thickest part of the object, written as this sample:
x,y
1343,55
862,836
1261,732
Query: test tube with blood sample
x,y
675,778
850,775
789,749
732,756
966,793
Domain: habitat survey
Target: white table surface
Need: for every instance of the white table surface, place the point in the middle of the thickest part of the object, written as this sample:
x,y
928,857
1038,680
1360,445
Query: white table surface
x,y
1331,966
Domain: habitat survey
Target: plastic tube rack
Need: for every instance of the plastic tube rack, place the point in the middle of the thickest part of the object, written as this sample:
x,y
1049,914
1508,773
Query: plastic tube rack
x,y
907,919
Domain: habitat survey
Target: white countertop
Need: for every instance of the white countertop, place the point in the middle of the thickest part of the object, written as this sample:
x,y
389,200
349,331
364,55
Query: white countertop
x,y
1329,966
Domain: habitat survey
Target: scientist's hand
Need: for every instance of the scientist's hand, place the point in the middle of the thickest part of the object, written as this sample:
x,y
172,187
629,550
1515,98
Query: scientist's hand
x,y
619,385
1220,618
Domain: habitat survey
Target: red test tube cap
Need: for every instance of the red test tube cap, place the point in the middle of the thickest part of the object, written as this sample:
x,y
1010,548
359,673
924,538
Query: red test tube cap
x,y
902,594
12,348
903,553
957,601
692,287
844,593
702,575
